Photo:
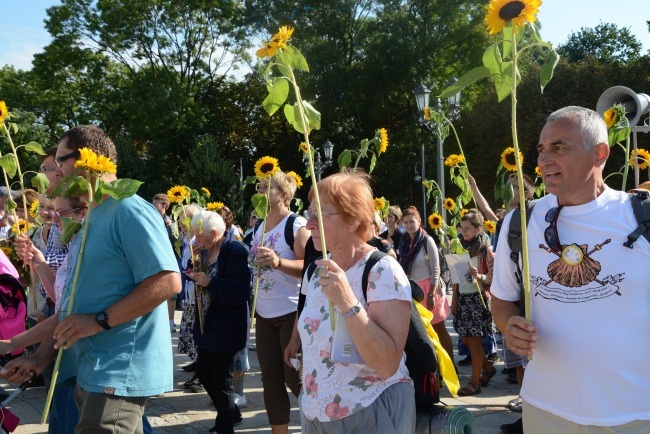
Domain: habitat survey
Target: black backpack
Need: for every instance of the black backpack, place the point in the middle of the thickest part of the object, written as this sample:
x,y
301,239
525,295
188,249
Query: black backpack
x,y
288,230
640,204
421,358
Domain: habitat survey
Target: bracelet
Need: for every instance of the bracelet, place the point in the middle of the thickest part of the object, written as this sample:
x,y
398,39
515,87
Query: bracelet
x,y
279,263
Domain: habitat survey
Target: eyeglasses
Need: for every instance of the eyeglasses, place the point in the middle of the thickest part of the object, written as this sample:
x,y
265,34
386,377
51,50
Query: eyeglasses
x,y
61,159
45,169
59,214
314,214
550,233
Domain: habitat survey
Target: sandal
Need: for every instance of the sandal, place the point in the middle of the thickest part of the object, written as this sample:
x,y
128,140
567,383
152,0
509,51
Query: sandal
x,y
487,375
470,389
515,404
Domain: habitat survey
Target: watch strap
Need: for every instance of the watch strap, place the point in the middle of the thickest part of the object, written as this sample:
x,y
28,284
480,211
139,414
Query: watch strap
x,y
352,312
102,320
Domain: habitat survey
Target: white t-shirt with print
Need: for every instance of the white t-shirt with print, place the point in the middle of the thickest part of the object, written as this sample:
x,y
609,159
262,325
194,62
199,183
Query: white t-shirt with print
x,y
591,306
333,390
277,292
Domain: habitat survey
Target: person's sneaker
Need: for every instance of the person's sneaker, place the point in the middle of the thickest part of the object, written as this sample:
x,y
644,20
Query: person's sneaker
x,y
516,427
240,400
467,361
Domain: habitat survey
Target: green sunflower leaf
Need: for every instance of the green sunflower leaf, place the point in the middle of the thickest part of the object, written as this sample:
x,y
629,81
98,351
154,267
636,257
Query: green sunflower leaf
x,y
345,158
468,78
278,92
8,163
35,147
292,57
40,182
260,204
550,62
313,116
119,189
70,227
292,114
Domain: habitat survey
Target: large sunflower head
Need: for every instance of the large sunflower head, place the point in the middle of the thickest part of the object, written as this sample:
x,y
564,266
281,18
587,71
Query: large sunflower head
x,y
178,194
266,167
384,141
508,159
296,178
33,210
435,221
268,50
22,226
454,160
88,159
516,12
449,204
611,116
642,158
283,35
490,226
214,206
3,111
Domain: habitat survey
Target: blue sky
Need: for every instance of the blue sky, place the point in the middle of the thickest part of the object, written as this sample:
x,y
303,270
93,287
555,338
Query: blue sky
x,y
22,30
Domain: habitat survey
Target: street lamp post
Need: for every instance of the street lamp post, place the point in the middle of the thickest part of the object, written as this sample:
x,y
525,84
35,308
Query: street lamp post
x,y
321,165
422,94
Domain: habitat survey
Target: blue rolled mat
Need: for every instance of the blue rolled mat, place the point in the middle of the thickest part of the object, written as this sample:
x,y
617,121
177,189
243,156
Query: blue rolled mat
x,y
445,420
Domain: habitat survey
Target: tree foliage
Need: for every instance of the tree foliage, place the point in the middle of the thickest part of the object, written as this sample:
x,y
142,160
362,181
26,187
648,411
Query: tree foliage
x,y
606,42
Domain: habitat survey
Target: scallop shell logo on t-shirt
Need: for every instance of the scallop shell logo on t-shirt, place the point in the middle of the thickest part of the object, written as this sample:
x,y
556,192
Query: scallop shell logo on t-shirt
x,y
575,268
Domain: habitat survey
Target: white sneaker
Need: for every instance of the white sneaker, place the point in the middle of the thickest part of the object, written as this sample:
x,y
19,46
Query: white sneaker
x,y
240,400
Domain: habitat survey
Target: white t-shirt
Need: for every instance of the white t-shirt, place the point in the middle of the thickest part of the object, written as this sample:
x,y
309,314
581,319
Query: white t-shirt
x,y
591,306
277,293
333,390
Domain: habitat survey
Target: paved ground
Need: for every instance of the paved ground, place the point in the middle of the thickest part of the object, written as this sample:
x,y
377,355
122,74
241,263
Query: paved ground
x,y
184,412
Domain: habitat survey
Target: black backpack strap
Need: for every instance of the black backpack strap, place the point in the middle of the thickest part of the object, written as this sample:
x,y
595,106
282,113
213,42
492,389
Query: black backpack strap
x,y
514,242
288,230
372,260
641,206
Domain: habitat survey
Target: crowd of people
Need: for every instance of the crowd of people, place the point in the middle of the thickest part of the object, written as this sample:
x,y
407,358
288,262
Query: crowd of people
x,y
337,347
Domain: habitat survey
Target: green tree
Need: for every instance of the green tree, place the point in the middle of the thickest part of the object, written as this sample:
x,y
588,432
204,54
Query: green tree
x,y
606,42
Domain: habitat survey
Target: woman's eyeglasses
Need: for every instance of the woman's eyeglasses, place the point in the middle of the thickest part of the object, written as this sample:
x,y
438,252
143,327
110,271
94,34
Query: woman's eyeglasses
x,y
314,214
59,214
550,233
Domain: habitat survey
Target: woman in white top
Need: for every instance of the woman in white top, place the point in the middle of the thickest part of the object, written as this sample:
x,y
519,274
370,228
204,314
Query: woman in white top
x,y
278,266
421,263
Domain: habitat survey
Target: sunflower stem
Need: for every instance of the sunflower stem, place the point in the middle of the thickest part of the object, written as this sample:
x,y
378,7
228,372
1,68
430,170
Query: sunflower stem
x,y
627,163
197,287
73,291
314,182
257,267
520,180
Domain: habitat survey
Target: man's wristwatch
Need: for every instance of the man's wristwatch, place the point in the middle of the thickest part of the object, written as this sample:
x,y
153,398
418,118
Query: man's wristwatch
x,y
352,312
102,320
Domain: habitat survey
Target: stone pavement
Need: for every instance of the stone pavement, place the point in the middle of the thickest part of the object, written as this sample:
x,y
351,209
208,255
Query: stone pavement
x,y
181,411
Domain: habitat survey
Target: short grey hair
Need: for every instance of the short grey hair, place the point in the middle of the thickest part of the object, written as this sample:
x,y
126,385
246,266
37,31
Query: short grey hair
x,y
209,221
591,125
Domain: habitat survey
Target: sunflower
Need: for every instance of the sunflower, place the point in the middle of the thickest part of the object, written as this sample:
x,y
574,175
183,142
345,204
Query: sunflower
x,y
6,250
517,12
449,204
454,160
266,167
538,171
206,191
427,113
304,148
642,158
97,163
463,212
296,178
177,194
508,159
283,35
3,111
380,203
384,140
33,210
435,221
22,226
268,49
214,206
490,226
611,117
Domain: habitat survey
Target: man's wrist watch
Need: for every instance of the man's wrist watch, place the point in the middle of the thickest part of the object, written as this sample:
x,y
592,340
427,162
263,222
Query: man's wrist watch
x,y
352,312
102,320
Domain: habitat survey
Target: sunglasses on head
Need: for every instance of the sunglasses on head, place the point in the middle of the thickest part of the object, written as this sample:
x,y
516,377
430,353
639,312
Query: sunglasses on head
x,y
550,233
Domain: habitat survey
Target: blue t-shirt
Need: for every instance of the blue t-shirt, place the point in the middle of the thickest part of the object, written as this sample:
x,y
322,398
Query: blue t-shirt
x,y
127,243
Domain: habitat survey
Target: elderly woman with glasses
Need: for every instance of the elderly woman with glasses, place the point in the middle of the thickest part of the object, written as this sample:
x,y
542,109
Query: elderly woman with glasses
x,y
472,317
374,393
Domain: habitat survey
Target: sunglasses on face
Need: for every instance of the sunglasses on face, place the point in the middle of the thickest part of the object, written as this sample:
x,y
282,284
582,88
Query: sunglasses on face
x,y
61,159
550,233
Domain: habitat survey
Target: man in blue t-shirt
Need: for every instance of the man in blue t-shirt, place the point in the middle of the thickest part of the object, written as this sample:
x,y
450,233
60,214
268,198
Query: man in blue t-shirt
x,y
116,340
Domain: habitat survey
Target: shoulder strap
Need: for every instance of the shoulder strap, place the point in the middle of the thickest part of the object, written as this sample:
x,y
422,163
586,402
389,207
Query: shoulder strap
x,y
641,205
372,260
257,225
514,242
288,230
